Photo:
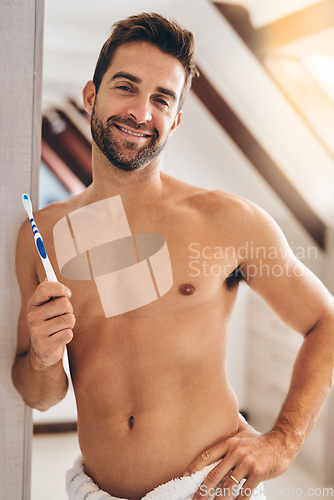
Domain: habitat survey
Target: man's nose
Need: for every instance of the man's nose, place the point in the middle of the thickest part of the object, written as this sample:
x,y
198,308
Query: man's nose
x,y
140,109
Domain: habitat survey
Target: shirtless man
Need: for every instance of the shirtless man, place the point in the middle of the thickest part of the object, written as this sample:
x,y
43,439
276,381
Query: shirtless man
x,y
154,402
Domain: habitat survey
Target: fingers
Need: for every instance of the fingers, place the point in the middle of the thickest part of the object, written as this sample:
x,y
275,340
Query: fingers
x,y
249,458
51,317
47,290
219,482
50,323
47,342
41,326
208,457
49,310
238,472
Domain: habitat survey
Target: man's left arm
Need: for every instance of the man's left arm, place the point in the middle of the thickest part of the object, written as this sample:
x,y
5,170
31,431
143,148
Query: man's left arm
x,y
302,302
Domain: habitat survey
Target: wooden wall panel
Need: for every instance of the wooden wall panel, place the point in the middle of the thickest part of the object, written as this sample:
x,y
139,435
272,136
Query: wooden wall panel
x,y
21,32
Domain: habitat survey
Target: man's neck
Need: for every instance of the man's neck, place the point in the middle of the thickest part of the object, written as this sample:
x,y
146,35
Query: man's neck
x,y
141,186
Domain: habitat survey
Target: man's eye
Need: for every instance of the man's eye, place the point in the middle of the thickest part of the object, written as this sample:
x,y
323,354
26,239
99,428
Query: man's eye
x,y
162,102
124,87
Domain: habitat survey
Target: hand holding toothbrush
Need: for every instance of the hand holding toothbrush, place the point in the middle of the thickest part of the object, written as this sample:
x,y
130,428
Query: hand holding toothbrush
x,y
50,315
50,324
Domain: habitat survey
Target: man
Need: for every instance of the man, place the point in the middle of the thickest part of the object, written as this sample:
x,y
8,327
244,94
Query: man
x,y
147,358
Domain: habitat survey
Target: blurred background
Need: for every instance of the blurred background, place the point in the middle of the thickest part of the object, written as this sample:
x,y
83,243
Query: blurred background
x,y
259,122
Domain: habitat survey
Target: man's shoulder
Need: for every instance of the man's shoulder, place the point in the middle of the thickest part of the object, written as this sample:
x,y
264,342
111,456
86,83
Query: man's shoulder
x,y
52,213
221,203
229,214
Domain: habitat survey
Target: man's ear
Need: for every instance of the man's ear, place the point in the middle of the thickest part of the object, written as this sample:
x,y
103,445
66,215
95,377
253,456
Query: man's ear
x,y
176,123
88,95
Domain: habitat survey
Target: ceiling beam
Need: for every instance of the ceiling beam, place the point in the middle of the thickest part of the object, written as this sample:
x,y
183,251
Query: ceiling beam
x,y
259,158
305,22
60,170
73,148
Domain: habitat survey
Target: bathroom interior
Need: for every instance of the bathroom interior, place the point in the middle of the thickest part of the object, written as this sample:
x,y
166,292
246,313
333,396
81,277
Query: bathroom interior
x,y
259,123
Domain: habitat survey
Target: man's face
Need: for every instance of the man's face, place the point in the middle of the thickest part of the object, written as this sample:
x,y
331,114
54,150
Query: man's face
x,y
135,110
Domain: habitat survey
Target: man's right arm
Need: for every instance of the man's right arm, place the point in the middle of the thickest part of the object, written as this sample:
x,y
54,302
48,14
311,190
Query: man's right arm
x,y
44,328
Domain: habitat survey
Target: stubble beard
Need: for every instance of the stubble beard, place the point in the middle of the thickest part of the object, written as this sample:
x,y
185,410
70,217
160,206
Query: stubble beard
x,y
127,157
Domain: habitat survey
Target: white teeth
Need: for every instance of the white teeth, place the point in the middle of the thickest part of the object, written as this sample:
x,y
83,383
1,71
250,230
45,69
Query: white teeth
x,y
132,133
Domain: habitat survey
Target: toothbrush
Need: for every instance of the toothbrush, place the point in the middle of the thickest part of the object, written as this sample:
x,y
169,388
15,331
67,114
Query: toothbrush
x,y
50,274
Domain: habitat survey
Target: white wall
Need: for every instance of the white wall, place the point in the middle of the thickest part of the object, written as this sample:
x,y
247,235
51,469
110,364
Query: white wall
x,y
20,78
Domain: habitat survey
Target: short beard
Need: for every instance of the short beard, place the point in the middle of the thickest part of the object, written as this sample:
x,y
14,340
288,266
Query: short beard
x,y
111,149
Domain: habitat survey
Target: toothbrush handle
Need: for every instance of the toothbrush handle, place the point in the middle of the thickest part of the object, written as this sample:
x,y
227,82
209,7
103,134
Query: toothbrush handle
x,y
50,274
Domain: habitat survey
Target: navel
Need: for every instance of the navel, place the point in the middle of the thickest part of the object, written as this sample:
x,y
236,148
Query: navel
x,y
186,289
131,421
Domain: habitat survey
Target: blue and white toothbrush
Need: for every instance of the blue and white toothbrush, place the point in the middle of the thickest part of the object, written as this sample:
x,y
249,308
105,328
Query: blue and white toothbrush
x,y
50,274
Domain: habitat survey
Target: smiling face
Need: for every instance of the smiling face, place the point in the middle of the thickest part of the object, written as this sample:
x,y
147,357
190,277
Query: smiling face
x,y
136,108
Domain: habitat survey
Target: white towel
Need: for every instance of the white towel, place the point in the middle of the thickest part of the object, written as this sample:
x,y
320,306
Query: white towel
x,y
79,486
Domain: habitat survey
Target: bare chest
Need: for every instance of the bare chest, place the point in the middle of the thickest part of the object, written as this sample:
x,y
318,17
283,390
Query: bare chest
x,y
140,268
167,259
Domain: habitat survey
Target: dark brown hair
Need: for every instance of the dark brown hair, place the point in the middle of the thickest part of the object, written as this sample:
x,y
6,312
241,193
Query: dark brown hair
x,y
167,35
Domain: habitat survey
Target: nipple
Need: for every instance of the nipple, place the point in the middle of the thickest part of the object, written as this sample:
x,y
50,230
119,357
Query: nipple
x,y
131,422
186,289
